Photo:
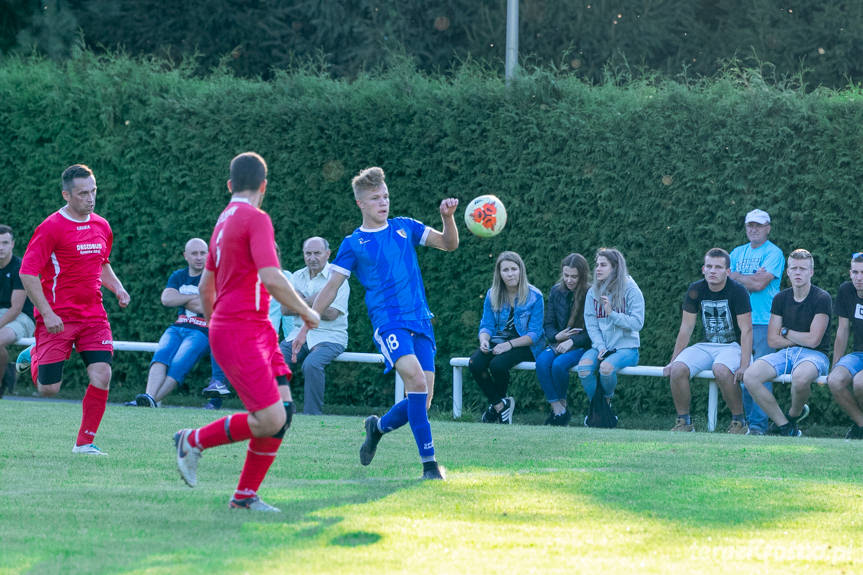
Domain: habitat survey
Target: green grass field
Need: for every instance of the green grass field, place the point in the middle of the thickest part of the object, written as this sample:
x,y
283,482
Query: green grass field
x,y
520,499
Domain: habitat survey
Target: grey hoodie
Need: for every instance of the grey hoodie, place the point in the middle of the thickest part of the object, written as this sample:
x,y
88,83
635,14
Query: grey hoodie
x,y
618,330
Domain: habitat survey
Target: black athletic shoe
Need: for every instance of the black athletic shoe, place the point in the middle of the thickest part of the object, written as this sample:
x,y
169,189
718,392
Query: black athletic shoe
x,y
550,419
788,430
854,432
144,400
431,470
491,415
373,436
562,420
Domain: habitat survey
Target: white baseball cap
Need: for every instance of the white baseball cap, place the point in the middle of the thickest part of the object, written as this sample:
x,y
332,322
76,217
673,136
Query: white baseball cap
x,y
758,216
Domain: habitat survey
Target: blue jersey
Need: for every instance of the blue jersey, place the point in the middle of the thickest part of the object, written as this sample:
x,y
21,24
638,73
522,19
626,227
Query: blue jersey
x,y
385,262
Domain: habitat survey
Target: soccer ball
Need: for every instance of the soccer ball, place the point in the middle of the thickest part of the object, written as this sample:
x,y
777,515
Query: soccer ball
x,y
485,216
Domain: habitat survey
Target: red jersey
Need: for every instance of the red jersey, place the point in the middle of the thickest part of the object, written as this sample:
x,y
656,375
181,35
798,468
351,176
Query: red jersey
x,y
242,243
68,255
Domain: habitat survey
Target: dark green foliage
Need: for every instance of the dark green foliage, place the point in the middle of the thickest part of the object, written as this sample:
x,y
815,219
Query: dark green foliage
x,y
818,42
662,171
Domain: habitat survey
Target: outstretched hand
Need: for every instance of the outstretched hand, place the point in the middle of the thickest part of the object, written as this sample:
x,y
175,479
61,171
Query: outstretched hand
x,y
448,207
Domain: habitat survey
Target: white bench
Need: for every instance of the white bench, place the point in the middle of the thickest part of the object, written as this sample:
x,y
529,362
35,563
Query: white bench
x,y
347,357
459,363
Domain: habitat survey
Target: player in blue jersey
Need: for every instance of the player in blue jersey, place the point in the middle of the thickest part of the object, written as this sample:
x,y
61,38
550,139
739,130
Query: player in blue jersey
x,y
382,254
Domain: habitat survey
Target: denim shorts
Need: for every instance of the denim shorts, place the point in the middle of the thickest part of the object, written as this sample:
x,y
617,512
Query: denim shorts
x,y
853,362
180,348
786,360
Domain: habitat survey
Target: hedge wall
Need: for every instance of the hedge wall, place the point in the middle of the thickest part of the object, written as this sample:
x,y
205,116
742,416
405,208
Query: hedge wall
x,y
662,171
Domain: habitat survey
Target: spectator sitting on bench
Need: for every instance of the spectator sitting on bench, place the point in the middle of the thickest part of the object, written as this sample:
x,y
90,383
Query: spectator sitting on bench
x,y
613,317
799,321
184,342
726,348
510,332
16,311
564,332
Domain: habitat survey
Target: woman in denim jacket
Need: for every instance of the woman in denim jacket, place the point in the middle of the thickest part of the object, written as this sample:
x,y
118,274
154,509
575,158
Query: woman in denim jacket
x,y
510,332
613,316
565,335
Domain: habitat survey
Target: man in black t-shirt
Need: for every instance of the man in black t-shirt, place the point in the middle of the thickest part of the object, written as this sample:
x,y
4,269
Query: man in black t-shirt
x,y
799,319
849,368
726,347
16,311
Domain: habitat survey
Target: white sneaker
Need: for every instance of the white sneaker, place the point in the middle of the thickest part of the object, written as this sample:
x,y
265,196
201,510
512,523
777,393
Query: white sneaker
x,y
187,457
508,408
88,449
254,504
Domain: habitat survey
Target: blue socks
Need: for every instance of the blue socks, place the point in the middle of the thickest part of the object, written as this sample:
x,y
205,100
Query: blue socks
x,y
395,417
411,410
418,418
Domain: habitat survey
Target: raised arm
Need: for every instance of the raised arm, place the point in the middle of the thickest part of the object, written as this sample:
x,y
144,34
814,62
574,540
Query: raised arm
x,y
448,239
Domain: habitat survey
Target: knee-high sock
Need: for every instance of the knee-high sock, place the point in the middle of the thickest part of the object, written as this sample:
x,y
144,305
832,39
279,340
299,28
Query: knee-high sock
x,y
260,455
230,429
92,410
395,417
419,421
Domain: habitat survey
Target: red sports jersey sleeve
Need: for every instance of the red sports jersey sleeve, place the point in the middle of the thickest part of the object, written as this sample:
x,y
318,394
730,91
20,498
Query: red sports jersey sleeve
x,y
242,243
68,256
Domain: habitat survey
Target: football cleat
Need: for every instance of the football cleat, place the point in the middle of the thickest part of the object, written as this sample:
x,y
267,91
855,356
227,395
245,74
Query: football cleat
x,y
253,504
88,449
187,457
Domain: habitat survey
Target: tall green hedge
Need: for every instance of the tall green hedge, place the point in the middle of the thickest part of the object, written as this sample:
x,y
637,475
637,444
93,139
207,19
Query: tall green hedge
x,y
662,171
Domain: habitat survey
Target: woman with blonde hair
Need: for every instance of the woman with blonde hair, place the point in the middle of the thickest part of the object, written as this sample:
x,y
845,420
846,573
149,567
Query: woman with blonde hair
x,y
565,335
510,332
613,316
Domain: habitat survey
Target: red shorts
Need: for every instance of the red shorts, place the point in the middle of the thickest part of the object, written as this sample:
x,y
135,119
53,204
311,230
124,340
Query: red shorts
x,y
91,335
250,357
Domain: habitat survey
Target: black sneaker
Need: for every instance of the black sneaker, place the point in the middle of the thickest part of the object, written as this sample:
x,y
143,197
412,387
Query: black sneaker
x,y
431,470
145,400
373,436
490,415
854,432
788,430
550,419
562,420
804,413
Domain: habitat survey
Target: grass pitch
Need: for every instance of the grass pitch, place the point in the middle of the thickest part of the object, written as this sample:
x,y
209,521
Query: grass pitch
x,y
519,499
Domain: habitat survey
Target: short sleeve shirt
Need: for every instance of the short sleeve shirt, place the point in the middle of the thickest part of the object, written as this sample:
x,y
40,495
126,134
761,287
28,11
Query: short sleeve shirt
x,y
850,305
718,309
187,284
385,262
11,281
68,256
747,260
798,316
243,242
332,331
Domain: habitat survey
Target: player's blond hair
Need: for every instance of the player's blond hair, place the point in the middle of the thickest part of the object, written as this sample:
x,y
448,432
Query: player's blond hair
x,y
367,180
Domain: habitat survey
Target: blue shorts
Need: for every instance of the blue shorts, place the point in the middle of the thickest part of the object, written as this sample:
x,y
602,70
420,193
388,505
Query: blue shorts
x,y
853,362
417,338
786,360
180,348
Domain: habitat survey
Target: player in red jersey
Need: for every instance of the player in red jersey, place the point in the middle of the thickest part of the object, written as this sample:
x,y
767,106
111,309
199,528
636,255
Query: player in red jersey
x,y
63,270
242,272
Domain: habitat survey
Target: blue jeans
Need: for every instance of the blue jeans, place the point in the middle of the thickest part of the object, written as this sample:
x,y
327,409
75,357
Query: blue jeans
x,y
755,416
552,370
590,365
180,348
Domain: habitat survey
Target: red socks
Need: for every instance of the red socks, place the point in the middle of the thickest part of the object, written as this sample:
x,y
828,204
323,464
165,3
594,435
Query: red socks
x,y
92,410
229,429
261,454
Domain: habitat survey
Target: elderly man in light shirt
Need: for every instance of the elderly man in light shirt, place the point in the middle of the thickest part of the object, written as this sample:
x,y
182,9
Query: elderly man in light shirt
x,y
330,338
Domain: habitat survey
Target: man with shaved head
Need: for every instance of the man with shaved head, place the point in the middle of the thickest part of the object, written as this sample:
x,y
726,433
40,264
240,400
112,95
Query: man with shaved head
x,y
324,343
184,342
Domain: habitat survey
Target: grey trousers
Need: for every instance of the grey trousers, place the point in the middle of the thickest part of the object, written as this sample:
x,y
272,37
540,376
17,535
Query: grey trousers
x,y
313,363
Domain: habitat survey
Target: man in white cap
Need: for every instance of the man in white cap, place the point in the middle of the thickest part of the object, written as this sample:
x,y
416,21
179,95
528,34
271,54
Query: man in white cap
x,y
758,265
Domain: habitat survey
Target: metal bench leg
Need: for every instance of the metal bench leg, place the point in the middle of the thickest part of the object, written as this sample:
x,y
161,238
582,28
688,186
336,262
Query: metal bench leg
x,y
456,392
712,405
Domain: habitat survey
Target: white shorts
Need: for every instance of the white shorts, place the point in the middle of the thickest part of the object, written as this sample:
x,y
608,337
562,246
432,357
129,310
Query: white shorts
x,y
703,356
21,326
